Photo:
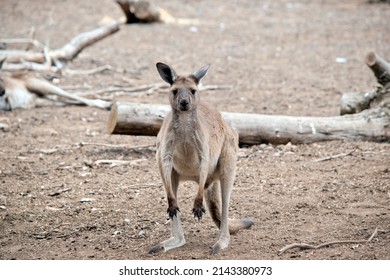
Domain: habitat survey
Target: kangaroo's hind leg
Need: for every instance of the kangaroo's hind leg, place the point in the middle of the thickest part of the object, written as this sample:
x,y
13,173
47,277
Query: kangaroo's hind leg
x,y
213,200
177,235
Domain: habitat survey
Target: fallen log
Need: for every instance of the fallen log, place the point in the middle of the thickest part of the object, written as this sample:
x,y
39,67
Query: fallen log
x,y
369,125
364,117
16,59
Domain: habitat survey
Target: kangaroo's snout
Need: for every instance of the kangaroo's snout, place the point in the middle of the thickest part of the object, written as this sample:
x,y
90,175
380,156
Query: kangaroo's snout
x,y
184,105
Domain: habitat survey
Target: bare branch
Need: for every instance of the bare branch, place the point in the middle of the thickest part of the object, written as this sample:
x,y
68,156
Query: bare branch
x,y
334,156
28,41
308,246
117,146
67,52
89,71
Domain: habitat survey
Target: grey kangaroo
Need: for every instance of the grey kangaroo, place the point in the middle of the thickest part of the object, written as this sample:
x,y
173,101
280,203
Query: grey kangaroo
x,y
195,143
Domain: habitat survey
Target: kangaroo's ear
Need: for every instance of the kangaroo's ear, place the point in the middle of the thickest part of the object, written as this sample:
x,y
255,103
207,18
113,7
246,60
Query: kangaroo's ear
x,y
1,62
166,72
198,75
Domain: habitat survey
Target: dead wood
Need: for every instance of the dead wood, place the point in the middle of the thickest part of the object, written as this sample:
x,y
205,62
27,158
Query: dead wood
x,y
308,246
44,88
137,11
370,120
369,125
33,66
115,162
352,103
58,56
355,102
27,41
142,11
380,67
334,156
117,146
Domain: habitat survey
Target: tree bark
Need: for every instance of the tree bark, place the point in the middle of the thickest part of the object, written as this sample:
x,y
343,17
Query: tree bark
x,y
369,125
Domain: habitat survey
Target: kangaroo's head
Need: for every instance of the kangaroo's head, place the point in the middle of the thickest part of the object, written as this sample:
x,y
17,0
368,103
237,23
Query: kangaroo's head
x,y
183,90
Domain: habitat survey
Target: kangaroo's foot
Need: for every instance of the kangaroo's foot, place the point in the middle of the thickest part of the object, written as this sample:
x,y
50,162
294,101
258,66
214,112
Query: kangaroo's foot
x,y
222,243
169,244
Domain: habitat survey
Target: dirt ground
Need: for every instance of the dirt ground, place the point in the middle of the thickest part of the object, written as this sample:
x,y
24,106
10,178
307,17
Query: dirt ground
x,y
279,57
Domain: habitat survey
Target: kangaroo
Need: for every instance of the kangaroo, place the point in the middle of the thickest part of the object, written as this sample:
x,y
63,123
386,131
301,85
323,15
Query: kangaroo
x,y
195,143
13,92
25,90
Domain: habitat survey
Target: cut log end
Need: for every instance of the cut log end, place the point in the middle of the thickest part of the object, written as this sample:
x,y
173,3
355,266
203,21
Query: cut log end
x,y
370,59
112,119
379,66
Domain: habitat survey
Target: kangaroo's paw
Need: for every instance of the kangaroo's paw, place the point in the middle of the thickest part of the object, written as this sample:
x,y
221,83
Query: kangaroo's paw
x,y
198,211
172,211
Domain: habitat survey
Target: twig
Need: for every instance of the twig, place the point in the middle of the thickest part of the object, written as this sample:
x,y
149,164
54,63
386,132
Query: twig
x,y
215,87
27,65
334,156
59,192
308,246
117,146
377,153
43,87
141,186
129,89
89,71
115,162
83,40
23,41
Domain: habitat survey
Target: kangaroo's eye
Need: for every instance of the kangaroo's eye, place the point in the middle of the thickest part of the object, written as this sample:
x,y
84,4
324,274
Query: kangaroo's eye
x,y
174,92
193,91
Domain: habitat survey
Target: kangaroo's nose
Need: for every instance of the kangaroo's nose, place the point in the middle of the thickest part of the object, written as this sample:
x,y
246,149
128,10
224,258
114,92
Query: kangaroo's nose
x,y
184,104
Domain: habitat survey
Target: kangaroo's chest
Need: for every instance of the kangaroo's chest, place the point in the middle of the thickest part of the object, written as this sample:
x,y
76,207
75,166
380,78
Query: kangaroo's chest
x,y
187,158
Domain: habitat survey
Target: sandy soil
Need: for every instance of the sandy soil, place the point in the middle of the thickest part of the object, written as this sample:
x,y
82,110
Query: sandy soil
x,y
279,57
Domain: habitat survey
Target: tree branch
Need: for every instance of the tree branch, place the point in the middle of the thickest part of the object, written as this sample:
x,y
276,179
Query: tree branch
x,y
64,54
308,246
